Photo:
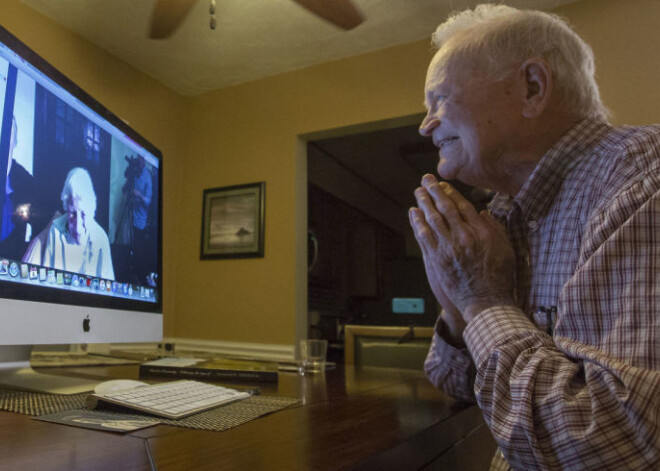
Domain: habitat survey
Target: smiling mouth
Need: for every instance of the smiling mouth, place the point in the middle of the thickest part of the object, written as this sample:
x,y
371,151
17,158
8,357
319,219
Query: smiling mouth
x,y
448,140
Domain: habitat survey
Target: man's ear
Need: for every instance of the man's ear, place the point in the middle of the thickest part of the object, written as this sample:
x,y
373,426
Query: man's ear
x,y
539,84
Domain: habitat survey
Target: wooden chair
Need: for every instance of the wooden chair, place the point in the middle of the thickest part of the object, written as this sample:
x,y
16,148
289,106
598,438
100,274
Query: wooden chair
x,y
387,347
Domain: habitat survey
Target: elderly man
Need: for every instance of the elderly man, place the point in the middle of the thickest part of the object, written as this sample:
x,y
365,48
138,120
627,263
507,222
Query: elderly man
x,y
75,241
551,300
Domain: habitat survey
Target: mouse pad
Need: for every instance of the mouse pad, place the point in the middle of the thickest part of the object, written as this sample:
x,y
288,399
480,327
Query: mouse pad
x,y
106,421
218,419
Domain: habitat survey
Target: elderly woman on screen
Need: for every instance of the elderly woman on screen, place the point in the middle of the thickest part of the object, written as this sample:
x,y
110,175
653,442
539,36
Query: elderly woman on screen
x,y
75,242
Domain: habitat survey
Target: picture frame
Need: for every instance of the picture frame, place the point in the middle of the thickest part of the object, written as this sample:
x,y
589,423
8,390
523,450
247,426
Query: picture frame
x,y
233,219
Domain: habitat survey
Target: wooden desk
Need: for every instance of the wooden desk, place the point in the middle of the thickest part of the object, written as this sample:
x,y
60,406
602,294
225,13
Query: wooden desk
x,y
350,418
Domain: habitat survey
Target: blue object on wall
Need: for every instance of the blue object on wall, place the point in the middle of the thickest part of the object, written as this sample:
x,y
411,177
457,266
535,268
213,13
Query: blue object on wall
x,y
408,305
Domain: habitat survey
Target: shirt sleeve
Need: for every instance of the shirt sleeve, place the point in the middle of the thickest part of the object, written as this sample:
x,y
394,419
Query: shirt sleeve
x,y
147,190
105,257
589,396
48,258
449,368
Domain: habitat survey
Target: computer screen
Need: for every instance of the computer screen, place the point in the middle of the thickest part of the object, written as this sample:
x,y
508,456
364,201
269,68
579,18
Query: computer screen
x,y
80,213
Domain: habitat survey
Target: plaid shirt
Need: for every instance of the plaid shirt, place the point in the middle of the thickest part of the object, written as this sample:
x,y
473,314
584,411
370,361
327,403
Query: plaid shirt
x,y
570,377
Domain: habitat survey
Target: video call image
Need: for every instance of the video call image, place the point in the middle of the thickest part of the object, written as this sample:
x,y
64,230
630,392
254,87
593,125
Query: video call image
x,y
78,203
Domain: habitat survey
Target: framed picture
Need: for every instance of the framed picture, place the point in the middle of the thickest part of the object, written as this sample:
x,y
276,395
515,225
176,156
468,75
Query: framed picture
x,y
233,221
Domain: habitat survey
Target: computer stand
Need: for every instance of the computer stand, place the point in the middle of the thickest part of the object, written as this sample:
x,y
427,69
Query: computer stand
x,y
16,373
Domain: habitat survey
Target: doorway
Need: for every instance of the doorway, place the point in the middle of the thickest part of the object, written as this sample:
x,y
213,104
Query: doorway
x,y
361,250
364,265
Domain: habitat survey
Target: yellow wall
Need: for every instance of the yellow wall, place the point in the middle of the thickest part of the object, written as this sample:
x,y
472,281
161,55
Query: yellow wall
x,y
152,109
250,133
625,37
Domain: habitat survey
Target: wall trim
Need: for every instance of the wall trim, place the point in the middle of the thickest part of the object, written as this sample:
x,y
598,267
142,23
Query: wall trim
x,y
274,352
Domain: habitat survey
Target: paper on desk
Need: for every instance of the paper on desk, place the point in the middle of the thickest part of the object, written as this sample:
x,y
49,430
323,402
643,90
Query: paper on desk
x,y
109,422
179,362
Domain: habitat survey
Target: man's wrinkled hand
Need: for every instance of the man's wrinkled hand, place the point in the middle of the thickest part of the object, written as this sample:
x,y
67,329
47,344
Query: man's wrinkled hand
x,y
467,255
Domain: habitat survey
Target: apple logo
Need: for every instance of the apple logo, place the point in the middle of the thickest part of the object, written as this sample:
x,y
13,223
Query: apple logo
x,y
86,324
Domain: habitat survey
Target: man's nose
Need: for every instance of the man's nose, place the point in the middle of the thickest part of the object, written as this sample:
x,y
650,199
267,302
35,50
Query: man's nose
x,y
429,123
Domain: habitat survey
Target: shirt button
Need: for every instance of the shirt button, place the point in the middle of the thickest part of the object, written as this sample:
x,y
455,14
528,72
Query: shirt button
x,y
532,225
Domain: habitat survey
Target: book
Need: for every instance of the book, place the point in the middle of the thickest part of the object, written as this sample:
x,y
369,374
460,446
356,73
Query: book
x,y
216,369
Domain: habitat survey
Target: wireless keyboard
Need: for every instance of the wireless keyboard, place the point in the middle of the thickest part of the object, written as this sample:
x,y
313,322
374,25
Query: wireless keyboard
x,y
172,400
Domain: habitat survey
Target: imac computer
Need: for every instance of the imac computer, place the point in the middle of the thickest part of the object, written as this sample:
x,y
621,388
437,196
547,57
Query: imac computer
x,y
80,221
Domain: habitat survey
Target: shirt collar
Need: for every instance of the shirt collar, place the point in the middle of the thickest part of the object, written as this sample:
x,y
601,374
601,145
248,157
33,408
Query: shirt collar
x,y
538,191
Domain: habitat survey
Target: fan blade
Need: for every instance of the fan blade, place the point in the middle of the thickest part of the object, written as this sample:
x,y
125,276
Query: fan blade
x,y
167,16
341,13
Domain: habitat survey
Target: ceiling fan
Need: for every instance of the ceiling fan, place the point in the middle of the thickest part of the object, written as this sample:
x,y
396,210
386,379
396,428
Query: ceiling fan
x,y
168,15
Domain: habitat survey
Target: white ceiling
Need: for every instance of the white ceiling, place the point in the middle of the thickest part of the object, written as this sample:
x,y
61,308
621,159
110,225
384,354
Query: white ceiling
x,y
253,39
258,38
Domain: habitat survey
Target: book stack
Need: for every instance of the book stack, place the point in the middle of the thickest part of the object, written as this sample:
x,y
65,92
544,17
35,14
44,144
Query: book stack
x,y
217,369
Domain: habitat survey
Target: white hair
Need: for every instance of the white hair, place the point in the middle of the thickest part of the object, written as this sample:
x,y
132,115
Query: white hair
x,y
503,38
78,187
